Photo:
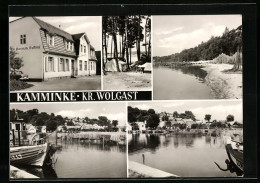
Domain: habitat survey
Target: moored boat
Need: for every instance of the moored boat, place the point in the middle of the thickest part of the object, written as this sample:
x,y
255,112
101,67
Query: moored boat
x,y
29,155
235,153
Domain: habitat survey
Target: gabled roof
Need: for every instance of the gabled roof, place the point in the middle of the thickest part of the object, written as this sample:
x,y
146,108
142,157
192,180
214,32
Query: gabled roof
x,y
79,35
52,29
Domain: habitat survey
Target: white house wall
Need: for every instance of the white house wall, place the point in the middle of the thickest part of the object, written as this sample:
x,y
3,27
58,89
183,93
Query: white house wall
x,y
85,57
31,52
56,73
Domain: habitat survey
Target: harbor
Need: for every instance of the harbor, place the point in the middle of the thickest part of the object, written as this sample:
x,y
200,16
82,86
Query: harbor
x,y
52,146
156,150
178,137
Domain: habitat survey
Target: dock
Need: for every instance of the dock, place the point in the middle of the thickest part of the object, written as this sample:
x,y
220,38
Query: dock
x,y
16,173
143,171
117,137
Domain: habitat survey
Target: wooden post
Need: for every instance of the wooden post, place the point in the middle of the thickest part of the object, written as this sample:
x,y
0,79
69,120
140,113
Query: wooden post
x,y
56,140
13,137
19,138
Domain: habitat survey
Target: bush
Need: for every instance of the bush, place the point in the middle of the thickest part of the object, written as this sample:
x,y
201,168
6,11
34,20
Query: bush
x,y
18,85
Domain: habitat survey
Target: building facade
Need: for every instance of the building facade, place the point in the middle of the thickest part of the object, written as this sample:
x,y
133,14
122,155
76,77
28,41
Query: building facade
x,y
49,52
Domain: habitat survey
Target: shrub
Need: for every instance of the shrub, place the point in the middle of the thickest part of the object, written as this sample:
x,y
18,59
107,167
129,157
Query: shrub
x,y
18,85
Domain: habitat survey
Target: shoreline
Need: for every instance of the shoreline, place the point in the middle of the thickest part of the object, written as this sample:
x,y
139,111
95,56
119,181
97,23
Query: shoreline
x,y
223,85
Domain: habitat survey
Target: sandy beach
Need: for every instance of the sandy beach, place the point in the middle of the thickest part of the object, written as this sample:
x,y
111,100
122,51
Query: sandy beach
x,y
126,81
223,85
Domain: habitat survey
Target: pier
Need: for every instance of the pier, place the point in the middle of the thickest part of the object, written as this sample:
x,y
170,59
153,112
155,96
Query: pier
x,y
16,173
140,170
116,137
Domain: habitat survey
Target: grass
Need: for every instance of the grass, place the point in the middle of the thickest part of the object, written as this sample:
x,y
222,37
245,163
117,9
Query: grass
x,y
18,85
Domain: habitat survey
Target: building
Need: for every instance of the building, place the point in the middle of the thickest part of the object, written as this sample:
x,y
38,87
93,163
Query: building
x,y
31,129
49,52
141,125
17,125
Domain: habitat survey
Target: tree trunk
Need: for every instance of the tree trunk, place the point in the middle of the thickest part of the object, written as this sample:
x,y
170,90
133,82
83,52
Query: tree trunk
x,y
104,49
130,50
138,38
145,38
126,43
123,47
115,45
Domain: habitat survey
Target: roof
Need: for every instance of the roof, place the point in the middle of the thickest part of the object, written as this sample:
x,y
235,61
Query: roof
x,y
79,35
52,29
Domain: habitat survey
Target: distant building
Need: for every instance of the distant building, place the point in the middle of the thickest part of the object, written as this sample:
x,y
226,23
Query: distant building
x,y
141,125
31,129
162,124
49,52
129,127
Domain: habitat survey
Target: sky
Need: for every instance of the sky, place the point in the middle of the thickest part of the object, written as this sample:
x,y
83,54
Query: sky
x,y
172,34
112,110
91,25
218,109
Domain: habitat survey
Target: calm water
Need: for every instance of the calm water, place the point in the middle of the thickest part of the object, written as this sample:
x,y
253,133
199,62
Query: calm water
x,y
180,83
85,160
182,155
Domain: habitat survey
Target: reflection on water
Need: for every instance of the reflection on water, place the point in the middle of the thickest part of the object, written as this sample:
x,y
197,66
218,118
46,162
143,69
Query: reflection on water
x,y
186,82
85,159
186,155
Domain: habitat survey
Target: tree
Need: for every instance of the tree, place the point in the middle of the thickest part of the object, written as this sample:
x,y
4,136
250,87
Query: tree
x,y
40,121
190,115
51,125
175,114
151,111
70,123
115,123
15,62
207,117
152,121
230,118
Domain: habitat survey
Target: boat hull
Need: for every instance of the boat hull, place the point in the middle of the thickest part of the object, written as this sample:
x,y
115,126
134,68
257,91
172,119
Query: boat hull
x,y
235,156
29,155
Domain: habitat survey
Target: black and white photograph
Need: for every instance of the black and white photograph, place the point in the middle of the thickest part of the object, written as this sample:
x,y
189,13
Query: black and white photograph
x,y
77,140
197,57
172,139
55,53
126,52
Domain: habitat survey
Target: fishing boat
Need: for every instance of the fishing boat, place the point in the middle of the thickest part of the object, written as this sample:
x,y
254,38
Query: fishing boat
x,y
235,153
28,149
29,155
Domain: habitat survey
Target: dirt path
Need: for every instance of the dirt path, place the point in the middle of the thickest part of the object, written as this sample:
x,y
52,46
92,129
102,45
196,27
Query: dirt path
x,y
66,84
126,81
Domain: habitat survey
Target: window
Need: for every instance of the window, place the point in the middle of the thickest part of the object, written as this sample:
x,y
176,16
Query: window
x,y
91,66
23,39
84,49
80,65
61,64
81,49
50,65
17,127
67,65
86,66
50,40
68,46
71,46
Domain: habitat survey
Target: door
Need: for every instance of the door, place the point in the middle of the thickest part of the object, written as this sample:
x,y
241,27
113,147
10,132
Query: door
x,y
72,68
